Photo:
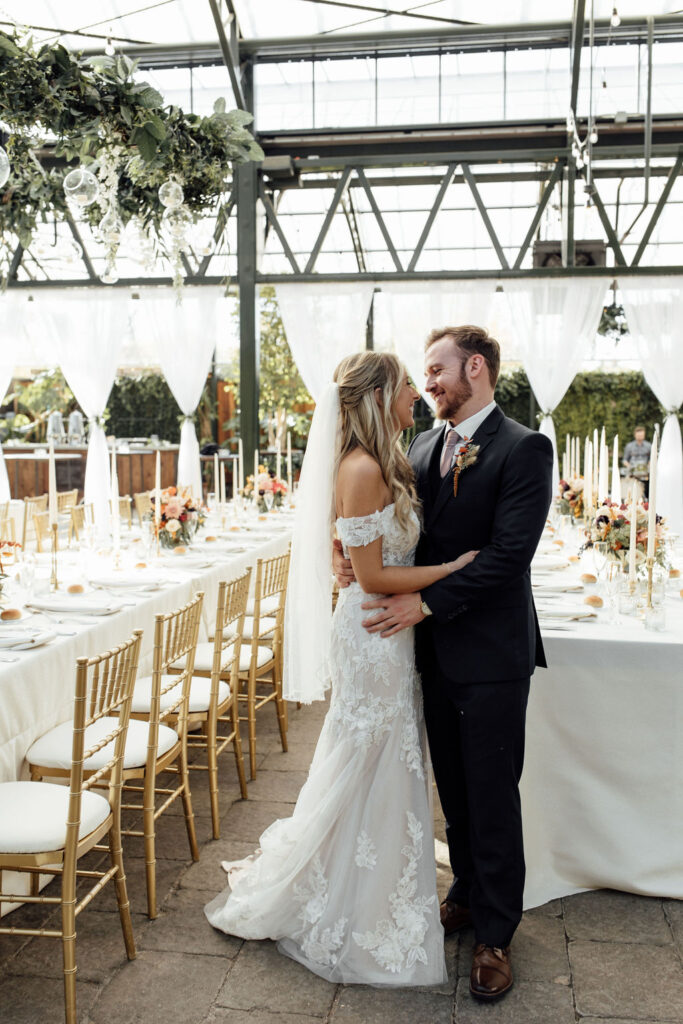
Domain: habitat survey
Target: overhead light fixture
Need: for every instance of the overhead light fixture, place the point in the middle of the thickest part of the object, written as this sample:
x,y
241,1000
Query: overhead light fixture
x,y
109,48
615,20
593,136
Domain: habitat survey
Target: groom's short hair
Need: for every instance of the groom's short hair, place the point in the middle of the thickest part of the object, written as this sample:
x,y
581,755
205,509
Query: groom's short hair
x,y
473,341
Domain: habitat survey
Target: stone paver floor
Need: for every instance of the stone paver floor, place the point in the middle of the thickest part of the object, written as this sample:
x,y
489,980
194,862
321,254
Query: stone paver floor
x,y
596,957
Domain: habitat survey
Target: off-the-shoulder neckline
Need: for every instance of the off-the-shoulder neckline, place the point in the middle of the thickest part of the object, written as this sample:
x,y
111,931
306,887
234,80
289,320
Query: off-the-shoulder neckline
x,y
377,512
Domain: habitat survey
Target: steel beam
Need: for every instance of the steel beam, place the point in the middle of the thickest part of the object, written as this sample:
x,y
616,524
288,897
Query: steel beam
x,y
668,185
277,227
341,185
543,202
578,22
445,182
569,184
229,49
378,217
15,263
222,218
607,225
246,182
73,227
469,178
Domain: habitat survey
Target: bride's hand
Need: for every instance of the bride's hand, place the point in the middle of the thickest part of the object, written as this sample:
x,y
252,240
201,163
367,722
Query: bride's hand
x,y
341,567
463,560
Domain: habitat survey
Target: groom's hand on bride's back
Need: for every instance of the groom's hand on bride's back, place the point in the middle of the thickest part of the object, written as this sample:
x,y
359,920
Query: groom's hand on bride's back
x,y
342,568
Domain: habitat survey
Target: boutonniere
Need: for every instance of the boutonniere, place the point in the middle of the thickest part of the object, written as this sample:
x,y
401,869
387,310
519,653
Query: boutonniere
x,y
466,455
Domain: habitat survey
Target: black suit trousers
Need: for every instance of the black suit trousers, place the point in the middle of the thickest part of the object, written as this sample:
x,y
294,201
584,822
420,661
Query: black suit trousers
x,y
476,741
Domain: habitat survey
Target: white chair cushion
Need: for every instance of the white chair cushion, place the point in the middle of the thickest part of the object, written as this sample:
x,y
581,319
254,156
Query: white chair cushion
x,y
33,816
203,659
264,655
267,626
269,605
53,750
200,693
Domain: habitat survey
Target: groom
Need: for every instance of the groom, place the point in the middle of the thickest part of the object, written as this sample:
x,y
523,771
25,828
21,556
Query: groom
x,y
485,485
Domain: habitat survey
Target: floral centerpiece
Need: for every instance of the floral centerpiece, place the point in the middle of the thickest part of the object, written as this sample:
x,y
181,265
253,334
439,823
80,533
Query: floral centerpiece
x,y
267,484
569,499
180,518
612,524
7,546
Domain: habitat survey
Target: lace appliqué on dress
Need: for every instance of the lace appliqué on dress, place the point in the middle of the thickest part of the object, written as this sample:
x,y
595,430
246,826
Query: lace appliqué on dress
x,y
320,946
397,944
366,851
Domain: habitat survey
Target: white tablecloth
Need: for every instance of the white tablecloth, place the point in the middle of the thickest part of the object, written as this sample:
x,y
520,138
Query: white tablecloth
x,y
602,786
37,691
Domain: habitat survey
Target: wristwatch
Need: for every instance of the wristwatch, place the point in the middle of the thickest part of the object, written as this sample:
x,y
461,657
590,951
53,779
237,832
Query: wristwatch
x,y
424,608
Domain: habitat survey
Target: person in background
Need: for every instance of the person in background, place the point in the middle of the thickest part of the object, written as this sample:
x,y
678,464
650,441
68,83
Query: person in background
x,y
637,459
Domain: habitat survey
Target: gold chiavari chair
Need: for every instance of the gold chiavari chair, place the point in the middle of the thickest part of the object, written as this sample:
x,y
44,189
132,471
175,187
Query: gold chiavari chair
x,y
41,525
125,511
80,515
31,506
4,510
66,500
47,828
152,746
261,661
8,530
213,692
143,505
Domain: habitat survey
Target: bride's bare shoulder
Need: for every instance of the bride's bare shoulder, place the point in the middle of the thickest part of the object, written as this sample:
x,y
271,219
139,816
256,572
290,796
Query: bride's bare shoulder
x,y
360,488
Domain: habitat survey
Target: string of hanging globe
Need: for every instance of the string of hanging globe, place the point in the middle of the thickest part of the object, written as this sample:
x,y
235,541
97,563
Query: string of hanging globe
x,y
138,172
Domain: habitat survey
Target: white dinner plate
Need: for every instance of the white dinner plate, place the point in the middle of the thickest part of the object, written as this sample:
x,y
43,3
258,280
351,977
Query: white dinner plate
x,y
565,614
77,605
25,639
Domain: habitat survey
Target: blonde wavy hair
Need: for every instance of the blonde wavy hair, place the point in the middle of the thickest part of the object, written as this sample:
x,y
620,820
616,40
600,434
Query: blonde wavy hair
x,y
367,424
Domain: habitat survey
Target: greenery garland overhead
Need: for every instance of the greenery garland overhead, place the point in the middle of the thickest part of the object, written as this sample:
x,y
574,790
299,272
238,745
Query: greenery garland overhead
x,y
95,112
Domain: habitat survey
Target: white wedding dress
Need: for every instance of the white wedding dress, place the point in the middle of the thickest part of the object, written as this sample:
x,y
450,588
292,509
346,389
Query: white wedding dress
x,y
347,885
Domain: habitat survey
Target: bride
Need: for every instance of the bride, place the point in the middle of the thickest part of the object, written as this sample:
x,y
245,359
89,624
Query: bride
x,y
347,885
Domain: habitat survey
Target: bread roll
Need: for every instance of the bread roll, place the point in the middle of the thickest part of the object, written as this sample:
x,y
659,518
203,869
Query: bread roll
x,y
74,588
593,600
588,577
574,558
180,550
10,613
209,539
141,565
674,574
560,543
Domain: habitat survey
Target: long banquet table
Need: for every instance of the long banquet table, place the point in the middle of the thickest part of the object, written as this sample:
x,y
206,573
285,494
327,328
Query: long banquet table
x,y
602,789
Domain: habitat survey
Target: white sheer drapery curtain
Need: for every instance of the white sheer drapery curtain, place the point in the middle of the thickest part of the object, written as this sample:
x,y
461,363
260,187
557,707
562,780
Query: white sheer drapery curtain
x,y
406,311
6,370
88,327
185,336
554,322
323,323
653,307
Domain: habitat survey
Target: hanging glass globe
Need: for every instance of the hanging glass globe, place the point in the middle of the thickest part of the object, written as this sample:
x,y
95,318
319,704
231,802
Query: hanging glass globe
x,y
73,253
4,167
171,194
110,275
81,187
177,221
110,227
207,248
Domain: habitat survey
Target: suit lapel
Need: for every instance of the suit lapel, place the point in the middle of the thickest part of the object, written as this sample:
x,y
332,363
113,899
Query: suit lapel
x,y
483,436
423,464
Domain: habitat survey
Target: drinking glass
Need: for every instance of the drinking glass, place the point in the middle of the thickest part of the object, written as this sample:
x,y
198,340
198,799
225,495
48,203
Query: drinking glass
x,y
600,554
268,498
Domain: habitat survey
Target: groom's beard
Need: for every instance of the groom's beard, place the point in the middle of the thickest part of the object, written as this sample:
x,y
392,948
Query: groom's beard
x,y
462,391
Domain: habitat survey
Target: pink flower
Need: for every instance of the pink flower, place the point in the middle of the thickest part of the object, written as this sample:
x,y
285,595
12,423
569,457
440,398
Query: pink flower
x,y
174,507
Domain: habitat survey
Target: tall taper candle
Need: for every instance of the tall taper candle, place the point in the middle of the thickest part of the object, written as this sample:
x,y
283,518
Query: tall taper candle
x,y
603,474
157,491
632,541
52,484
235,474
289,461
278,459
588,479
616,482
565,467
578,456
221,484
256,477
567,461
652,500
216,480
115,511
240,457
595,449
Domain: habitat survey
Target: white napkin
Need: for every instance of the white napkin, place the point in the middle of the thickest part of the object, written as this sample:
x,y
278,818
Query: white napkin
x,y
23,640
568,614
140,579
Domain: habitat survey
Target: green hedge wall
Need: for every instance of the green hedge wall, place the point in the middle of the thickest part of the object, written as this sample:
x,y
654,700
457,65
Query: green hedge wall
x,y
143,405
619,400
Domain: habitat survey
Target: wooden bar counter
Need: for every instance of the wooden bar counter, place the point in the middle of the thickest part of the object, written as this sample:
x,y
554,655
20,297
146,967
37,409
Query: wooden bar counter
x,y
27,468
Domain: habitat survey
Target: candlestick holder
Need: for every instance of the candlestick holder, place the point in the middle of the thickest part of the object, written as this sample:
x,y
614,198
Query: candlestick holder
x,y
650,566
54,580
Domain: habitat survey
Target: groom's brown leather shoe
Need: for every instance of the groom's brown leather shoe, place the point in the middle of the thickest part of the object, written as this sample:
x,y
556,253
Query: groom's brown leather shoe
x,y
491,974
454,917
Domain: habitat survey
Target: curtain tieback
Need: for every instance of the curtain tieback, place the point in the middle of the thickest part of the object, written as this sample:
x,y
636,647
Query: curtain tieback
x,y
547,413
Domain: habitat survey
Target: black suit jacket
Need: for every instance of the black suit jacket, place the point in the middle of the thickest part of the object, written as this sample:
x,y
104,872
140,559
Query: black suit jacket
x,y
484,626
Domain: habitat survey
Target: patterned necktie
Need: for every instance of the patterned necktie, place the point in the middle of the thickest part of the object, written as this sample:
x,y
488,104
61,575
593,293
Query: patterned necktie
x,y
452,438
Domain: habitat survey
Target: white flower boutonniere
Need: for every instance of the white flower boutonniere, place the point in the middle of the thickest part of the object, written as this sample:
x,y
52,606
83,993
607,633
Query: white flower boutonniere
x,y
466,456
